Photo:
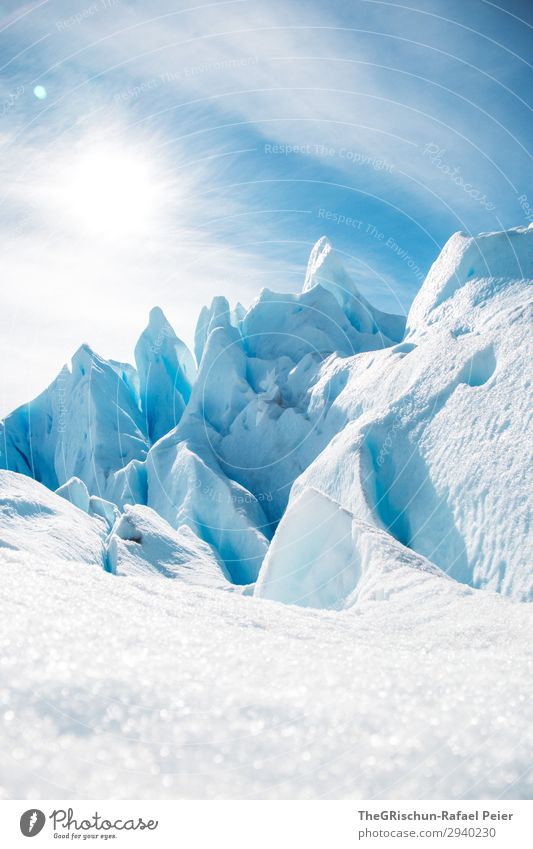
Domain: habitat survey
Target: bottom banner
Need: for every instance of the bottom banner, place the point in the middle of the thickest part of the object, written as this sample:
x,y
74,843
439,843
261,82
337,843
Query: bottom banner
x,y
247,824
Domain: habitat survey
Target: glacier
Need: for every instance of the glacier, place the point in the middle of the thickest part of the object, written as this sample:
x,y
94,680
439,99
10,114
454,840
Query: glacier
x,y
311,536
166,370
433,450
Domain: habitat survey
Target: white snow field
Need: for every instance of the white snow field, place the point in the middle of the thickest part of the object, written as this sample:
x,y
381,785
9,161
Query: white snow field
x,y
299,570
144,687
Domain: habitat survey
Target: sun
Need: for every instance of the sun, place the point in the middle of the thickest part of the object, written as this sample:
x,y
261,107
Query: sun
x,y
111,190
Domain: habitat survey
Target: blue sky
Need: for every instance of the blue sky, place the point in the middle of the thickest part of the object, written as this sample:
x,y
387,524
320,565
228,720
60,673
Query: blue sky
x,y
181,150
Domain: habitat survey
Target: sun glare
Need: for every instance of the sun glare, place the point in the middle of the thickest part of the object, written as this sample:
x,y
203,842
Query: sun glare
x,y
111,191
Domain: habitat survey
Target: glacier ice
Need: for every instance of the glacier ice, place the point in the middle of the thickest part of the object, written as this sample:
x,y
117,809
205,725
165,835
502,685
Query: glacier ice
x,y
253,394
468,273
86,424
187,487
128,485
375,482
166,371
325,269
432,449
219,314
75,491
316,389
323,557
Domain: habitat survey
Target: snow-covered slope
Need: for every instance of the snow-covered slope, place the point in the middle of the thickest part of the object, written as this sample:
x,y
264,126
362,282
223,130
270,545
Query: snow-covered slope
x,y
70,528
142,542
469,273
429,438
36,524
138,687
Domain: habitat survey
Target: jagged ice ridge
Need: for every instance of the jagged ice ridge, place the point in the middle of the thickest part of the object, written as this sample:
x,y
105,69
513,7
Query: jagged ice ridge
x,y
316,452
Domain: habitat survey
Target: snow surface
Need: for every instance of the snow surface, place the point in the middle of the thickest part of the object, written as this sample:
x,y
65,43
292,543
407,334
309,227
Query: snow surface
x,y
377,484
35,523
143,542
143,687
